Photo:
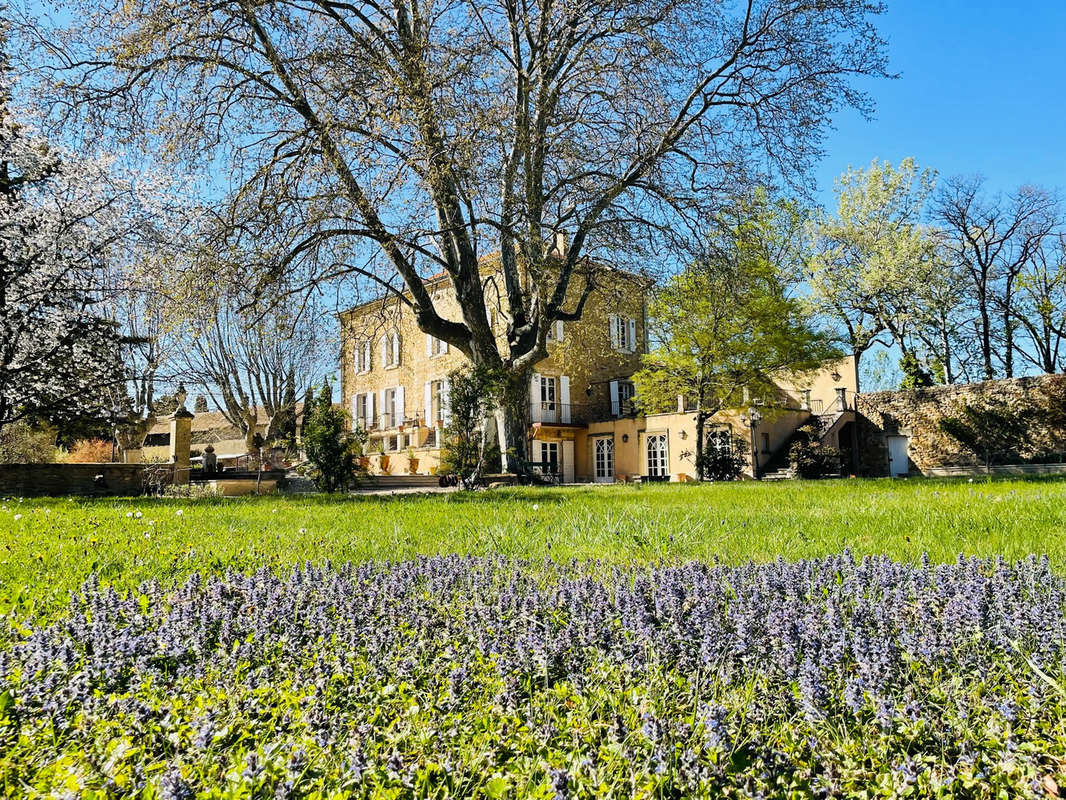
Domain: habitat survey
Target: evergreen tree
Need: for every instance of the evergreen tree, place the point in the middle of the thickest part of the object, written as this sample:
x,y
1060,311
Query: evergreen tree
x,y
326,441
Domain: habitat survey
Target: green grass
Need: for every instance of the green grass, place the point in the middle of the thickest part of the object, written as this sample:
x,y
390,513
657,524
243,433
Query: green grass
x,y
56,543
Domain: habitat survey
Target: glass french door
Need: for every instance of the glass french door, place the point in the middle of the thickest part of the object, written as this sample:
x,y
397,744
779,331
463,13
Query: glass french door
x,y
658,466
603,459
548,406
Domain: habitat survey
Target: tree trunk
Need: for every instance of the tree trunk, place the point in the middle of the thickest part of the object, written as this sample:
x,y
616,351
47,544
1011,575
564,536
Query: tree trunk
x,y
512,425
701,460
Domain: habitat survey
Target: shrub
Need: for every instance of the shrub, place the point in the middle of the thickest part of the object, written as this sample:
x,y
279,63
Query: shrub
x,y
330,448
22,443
810,458
90,451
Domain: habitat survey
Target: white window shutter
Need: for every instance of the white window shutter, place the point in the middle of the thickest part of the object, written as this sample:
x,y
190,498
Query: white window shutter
x,y
446,400
615,404
558,330
428,412
385,351
396,349
382,409
564,397
612,323
400,407
429,345
370,420
443,346
535,408
355,411
631,345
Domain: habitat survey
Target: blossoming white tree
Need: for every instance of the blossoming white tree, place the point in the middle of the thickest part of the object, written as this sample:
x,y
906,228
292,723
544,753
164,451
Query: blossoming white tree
x,y
58,350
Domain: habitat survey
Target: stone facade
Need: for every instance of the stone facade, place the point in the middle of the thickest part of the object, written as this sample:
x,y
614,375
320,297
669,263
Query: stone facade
x,y
913,418
394,377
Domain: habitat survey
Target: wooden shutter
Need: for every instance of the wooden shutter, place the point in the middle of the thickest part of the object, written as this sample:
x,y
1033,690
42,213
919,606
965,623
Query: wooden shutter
x,y
631,344
385,351
615,405
429,345
382,410
370,421
445,400
558,330
399,401
427,414
536,412
396,359
564,398
612,324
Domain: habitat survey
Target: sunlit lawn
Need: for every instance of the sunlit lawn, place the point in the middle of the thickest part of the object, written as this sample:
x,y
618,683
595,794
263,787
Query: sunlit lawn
x,y
50,546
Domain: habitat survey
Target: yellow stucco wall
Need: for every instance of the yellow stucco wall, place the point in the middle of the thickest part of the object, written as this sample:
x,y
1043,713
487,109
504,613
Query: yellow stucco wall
x,y
584,354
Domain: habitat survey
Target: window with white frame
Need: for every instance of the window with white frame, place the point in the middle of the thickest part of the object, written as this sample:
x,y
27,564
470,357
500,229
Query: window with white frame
x,y
388,409
623,332
434,346
362,356
436,393
719,442
626,392
658,464
390,350
555,331
361,411
548,384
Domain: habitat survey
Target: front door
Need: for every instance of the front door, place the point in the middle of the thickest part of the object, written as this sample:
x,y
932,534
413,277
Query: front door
x,y
603,459
898,460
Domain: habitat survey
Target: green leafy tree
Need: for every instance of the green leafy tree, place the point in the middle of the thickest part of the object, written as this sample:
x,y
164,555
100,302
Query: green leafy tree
x,y
327,443
730,322
474,393
874,267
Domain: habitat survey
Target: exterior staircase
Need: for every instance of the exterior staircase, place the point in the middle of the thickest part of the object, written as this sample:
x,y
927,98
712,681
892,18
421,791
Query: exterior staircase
x,y
780,474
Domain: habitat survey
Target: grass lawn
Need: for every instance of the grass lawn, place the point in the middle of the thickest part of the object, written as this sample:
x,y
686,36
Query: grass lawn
x,y
621,667
49,546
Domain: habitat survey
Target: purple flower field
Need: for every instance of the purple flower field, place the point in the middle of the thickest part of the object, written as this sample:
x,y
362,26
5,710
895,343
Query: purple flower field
x,y
458,676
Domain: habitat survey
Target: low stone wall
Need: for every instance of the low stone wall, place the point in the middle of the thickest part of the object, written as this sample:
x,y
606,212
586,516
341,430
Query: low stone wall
x,y
28,480
1038,403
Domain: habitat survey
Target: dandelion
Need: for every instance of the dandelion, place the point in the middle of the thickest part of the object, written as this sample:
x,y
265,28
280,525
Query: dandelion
x,y
138,514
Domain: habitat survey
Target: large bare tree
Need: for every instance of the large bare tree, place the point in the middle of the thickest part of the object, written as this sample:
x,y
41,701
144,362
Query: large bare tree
x,y
993,239
388,141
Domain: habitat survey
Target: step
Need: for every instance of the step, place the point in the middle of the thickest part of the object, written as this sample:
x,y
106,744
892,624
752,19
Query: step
x,y
401,481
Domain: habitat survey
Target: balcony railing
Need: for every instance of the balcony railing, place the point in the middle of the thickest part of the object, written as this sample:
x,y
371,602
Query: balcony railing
x,y
549,413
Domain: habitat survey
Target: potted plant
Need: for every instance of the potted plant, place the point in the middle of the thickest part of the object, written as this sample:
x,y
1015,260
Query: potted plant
x,y
412,461
383,457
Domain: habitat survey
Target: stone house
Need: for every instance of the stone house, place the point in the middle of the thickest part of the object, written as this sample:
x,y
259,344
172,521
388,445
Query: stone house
x,y
584,425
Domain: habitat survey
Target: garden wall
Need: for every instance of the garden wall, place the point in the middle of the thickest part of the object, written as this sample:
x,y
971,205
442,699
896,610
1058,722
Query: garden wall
x,y
1029,424
25,480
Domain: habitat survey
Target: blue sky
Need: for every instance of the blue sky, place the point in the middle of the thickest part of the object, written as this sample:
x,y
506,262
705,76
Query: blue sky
x,y
982,89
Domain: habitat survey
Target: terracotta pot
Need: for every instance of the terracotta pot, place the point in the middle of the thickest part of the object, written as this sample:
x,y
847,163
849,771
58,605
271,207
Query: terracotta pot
x,y
412,466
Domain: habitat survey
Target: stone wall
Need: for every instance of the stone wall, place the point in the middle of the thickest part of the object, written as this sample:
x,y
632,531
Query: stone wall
x,y
1037,405
27,480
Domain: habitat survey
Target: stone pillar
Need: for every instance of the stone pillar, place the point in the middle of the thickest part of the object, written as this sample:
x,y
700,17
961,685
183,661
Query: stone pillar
x,y
181,444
